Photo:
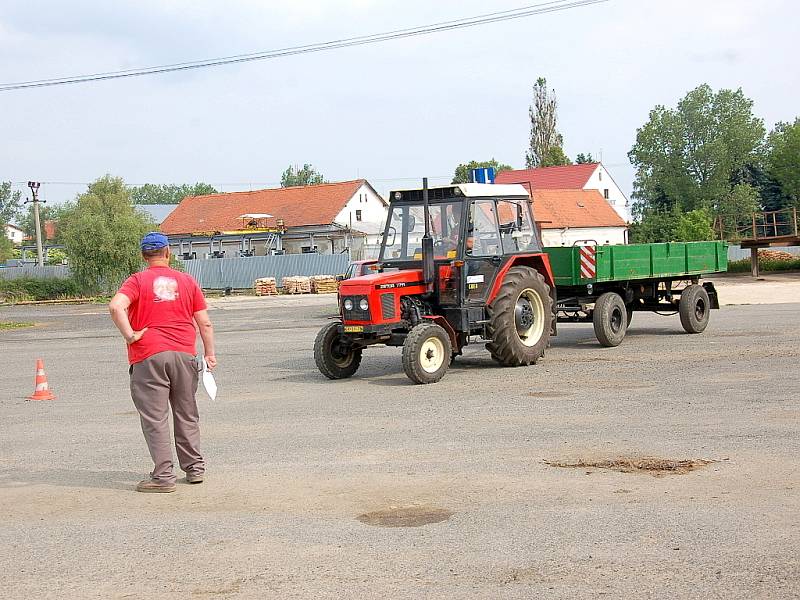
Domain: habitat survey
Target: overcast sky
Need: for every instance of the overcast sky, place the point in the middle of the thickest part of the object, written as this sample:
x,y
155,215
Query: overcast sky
x,y
386,112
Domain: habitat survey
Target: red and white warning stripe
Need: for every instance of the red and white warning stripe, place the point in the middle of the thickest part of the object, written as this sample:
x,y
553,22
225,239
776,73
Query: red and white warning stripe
x,y
588,262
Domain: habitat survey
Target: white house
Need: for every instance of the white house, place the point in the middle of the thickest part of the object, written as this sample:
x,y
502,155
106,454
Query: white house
x,y
588,176
14,233
366,212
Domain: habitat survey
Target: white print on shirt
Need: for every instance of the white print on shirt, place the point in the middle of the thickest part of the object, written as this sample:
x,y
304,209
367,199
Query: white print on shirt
x,y
165,289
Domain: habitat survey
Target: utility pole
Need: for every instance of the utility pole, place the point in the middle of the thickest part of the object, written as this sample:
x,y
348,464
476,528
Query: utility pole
x,y
34,185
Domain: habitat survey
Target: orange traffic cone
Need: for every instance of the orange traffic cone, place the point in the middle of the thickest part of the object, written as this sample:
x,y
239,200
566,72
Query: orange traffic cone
x,y
42,391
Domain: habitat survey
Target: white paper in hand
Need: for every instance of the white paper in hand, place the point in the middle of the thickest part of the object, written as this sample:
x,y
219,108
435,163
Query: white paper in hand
x,y
208,381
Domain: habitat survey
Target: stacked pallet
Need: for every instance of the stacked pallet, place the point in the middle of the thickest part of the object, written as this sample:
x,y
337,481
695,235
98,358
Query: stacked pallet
x,y
324,284
776,255
266,286
297,285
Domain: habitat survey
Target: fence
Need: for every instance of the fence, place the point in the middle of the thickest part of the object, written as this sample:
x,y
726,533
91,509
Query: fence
x,y
220,273
50,272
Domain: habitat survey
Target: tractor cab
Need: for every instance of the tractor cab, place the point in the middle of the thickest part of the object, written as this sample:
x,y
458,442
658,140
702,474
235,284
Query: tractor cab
x,y
457,262
472,227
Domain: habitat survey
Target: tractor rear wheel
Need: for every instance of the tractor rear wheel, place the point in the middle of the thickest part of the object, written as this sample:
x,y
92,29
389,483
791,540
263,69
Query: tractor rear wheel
x,y
694,308
427,352
335,358
610,318
520,318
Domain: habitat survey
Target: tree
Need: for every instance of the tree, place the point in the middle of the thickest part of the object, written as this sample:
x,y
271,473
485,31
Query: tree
x,y
543,114
6,247
770,192
694,226
462,171
654,226
101,232
295,176
171,193
783,159
555,157
584,159
689,155
47,212
672,226
736,209
9,203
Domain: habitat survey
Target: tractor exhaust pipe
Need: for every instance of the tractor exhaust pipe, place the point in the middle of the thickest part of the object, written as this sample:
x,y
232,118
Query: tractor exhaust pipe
x,y
428,267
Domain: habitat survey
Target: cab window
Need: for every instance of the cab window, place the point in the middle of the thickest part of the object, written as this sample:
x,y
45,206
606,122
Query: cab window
x,y
516,229
483,238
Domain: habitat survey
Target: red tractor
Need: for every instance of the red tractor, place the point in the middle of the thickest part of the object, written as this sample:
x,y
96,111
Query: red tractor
x,y
458,264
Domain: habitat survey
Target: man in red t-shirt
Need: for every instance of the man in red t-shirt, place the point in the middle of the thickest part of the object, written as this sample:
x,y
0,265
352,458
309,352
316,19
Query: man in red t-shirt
x,y
156,311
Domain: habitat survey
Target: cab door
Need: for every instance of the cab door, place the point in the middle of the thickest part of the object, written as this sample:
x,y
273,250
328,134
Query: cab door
x,y
483,250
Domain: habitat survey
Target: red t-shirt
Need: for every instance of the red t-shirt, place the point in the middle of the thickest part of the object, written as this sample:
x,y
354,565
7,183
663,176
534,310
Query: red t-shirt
x,y
163,300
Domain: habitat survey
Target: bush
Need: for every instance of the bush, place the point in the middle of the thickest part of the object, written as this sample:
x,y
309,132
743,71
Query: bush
x,y
30,288
743,266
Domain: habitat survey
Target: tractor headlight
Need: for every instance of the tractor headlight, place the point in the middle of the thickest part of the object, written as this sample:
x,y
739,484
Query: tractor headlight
x,y
363,304
348,304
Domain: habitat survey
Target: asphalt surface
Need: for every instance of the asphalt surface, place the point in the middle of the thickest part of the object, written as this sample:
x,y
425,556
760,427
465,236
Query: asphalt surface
x,y
304,472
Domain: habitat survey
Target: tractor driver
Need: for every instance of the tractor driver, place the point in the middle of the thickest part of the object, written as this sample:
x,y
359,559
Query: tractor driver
x,y
449,242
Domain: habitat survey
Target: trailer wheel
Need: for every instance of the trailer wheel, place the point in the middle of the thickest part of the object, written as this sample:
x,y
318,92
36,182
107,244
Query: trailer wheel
x,y
427,353
335,359
694,308
520,318
610,318
629,314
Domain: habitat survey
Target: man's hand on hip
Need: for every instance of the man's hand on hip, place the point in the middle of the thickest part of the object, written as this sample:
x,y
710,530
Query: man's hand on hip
x,y
135,336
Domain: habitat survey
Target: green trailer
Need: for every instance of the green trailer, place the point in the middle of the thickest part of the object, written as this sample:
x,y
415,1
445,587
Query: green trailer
x,y
606,285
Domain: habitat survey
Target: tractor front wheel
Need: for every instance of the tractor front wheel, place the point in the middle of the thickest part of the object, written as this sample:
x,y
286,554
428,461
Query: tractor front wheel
x,y
427,352
520,318
335,357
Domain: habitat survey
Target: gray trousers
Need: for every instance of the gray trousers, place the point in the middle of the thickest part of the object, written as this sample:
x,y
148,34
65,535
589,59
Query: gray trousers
x,y
164,380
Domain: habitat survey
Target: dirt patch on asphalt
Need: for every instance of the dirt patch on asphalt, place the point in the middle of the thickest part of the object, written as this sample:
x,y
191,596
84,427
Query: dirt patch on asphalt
x,y
657,467
412,516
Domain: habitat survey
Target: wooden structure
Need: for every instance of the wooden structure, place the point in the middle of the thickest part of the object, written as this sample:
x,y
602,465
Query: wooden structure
x,y
767,229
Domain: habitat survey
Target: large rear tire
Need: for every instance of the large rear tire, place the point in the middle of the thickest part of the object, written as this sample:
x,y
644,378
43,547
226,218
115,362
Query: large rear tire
x,y
520,318
427,352
694,308
335,358
610,319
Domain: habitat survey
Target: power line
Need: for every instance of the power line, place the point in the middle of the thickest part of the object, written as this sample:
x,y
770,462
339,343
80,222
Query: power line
x,y
494,17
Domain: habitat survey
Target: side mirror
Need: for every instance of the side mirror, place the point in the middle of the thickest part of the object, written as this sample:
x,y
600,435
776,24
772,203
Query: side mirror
x,y
339,278
412,222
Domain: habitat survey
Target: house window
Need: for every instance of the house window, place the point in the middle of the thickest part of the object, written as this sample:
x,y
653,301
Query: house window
x,y
358,215
308,249
600,175
605,193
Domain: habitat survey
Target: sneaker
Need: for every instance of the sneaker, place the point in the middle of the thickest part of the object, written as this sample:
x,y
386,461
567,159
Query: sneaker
x,y
148,485
194,478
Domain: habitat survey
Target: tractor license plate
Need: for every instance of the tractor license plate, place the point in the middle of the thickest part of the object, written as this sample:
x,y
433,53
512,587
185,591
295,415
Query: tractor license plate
x,y
353,328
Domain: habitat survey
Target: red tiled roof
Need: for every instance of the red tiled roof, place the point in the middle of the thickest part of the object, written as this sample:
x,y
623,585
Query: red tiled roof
x,y
568,177
297,206
574,208
49,230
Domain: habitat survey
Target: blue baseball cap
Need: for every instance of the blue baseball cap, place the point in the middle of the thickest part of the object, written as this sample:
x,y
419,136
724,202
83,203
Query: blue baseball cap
x,y
154,241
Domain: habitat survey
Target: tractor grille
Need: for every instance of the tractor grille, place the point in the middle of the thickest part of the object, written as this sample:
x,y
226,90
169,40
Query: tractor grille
x,y
387,306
